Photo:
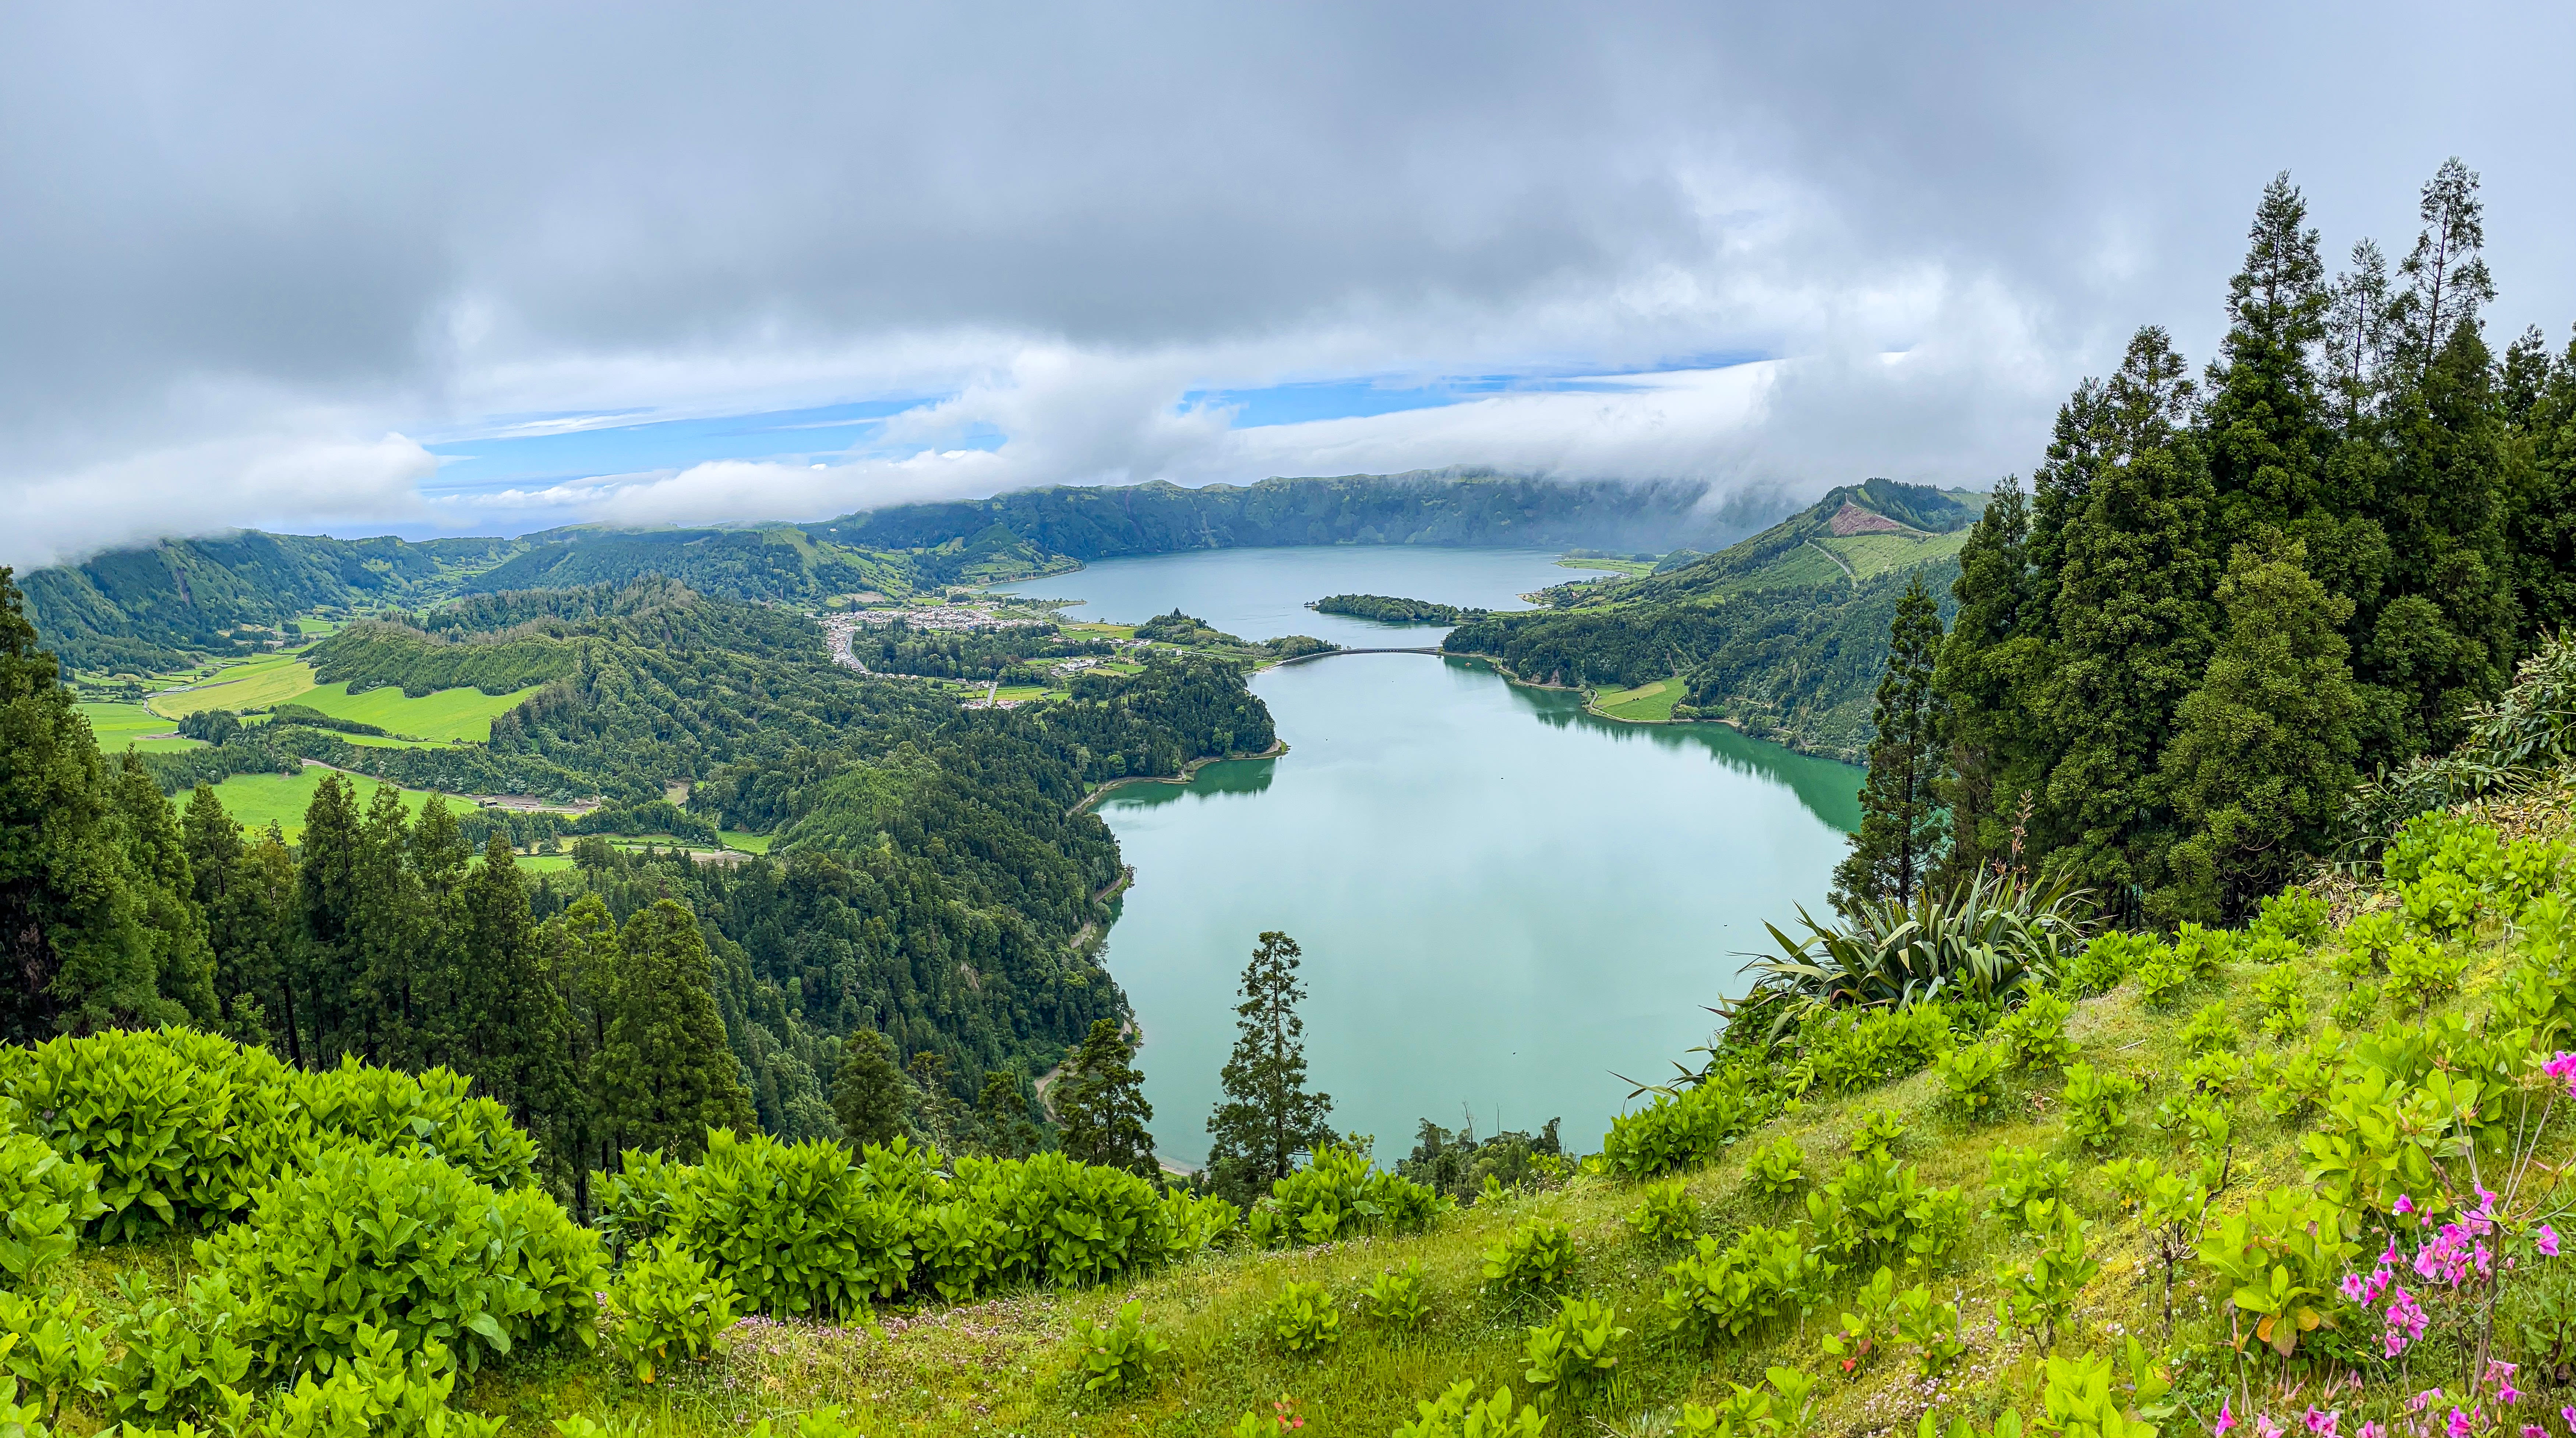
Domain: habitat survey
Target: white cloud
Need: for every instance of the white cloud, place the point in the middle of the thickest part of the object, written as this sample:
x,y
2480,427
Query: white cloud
x,y
307,480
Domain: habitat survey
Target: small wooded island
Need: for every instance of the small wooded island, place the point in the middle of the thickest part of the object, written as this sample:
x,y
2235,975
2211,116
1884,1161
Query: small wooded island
x,y
1389,610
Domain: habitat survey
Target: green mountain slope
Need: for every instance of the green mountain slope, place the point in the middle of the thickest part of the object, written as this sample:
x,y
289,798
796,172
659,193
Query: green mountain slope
x,y
1782,635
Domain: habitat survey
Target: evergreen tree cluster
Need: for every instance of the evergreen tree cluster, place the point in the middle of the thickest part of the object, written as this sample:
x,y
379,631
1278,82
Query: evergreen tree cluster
x,y
2219,601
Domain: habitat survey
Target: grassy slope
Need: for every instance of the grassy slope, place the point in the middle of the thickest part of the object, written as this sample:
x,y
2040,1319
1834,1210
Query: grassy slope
x,y
1004,1366
117,725
1870,554
1646,701
446,715
255,799
253,685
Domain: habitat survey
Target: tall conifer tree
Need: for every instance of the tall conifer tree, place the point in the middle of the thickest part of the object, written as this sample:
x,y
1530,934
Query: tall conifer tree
x,y
870,1096
1901,819
1267,1117
165,893
667,1075
1990,665
1100,1106
2264,748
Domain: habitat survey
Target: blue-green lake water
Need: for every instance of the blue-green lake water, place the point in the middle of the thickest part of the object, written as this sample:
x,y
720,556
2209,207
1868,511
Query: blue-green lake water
x,y
1504,902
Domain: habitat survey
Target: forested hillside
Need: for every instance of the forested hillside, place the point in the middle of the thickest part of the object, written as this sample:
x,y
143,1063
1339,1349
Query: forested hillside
x,y
1782,635
1442,507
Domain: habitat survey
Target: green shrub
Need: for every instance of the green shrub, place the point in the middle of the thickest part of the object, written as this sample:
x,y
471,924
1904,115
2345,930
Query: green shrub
x,y
2037,1033
1975,1075
1572,1358
1119,1356
1533,1256
48,1199
1665,1213
1459,1413
1878,1210
51,1348
1339,1195
2096,1104
2265,949
2364,943
2294,914
1679,1130
2039,1295
2437,840
2109,960
1877,1134
2203,952
1931,1328
668,1300
1723,1291
2029,1186
1777,1167
2441,903
1865,1327
1849,1051
2281,1009
2210,1030
2161,980
1396,1297
405,1244
1303,1319
2421,974
381,1390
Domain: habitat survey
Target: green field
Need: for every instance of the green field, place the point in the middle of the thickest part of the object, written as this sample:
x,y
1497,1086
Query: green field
x,y
1653,701
446,715
118,725
745,840
1614,566
254,685
1870,554
255,799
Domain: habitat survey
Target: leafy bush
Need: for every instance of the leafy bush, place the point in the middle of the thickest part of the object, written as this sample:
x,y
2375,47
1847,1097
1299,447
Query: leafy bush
x,y
1880,1210
2039,1295
1847,1051
1665,1213
2096,1102
2036,1032
2441,903
1302,1319
1119,1356
2161,980
2106,962
668,1300
1877,1133
2283,1258
2421,974
1777,1167
2209,1030
1339,1195
2294,914
1396,1298
2203,952
1572,1358
1865,1327
1931,1328
2354,1009
1726,1290
2265,949
1975,1075
1986,941
2364,943
2028,1186
381,1389
1459,1413
1678,1130
1534,1255
2281,1009
48,1199
405,1244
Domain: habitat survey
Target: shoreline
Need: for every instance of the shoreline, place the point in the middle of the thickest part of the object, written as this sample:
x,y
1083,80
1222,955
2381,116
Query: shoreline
x,y
1188,771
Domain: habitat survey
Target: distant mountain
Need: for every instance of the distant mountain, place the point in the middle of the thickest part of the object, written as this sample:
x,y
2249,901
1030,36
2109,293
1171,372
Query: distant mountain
x,y
1783,635
1451,507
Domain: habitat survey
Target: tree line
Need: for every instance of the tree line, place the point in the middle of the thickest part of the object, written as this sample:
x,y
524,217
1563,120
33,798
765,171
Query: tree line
x,y
2220,602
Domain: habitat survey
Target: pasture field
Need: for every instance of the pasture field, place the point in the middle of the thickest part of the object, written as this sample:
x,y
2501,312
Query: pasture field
x,y
1870,554
252,685
447,715
117,725
1653,700
256,799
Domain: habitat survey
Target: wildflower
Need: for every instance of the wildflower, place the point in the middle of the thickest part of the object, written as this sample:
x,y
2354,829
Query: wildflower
x,y
2320,1422
2227,1420
2264,1427
2547,1241
2534,1430
2569,1413
2354,1288
2458,1427
2403,1207
2373,1428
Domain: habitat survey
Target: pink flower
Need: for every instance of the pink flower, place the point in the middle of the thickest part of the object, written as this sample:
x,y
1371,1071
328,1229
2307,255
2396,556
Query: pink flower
x,y
2534,1430
2227,1420
2458,1427
2264,1427
2547,1242
2561,1066
2373,1428
2500,1373
2355,1289
2320,1422
2404,1206
2569,1413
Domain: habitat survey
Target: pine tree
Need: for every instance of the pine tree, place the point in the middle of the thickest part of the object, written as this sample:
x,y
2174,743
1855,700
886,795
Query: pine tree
x,y
427,1019
1267,1117
1002,1116
1100,1106
165,894
326,971
936,1116
2134,625
2540,503
2264,426
869,1094
580,950
502,996
69,935
1990,667
1901,821
667,1075
388,936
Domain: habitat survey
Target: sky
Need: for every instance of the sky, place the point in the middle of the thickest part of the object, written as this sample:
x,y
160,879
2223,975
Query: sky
x,y
469,268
